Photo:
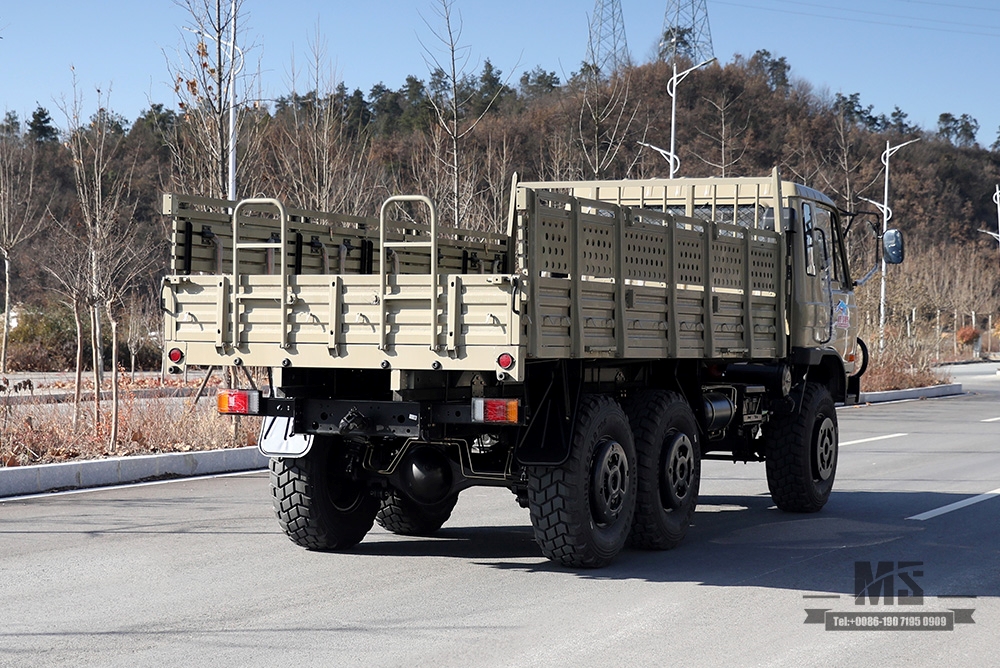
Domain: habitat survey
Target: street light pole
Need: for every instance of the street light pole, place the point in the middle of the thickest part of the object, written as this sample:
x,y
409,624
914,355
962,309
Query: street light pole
x,y
996,200
675,162
886,215
232,106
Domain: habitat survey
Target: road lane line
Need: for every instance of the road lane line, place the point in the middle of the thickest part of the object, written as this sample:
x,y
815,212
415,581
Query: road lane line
x,y
955,506
996,419
873,438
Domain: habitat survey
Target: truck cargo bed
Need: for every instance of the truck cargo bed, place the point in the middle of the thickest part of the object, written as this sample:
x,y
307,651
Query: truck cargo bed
x,y
571,278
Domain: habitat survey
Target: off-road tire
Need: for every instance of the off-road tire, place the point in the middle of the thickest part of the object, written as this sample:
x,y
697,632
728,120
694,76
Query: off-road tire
x,y
581,511
318,505
668,452
405,517
801,453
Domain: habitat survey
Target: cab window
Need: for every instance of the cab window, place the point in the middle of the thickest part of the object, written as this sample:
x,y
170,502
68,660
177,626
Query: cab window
x,y
807,236
829,254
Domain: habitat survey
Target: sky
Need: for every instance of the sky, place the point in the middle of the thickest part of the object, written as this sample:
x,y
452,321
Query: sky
x,y
926,57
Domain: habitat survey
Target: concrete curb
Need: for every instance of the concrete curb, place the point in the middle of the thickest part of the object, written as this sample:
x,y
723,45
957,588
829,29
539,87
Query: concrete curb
x,y
951,389
24,480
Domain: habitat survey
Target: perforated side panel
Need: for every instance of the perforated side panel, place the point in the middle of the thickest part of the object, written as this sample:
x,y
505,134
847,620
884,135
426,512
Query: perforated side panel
x,y
689,254
764,270
554,247
646,255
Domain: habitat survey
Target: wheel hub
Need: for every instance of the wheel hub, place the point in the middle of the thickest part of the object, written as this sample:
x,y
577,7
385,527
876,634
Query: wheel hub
x,y
346,496
826,449
678,471
609,481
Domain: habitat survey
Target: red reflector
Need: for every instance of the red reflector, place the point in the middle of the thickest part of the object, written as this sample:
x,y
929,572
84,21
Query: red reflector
x,y
175,355
506,361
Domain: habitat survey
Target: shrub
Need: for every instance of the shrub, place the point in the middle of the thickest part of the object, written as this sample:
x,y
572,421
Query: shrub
x,y
968,335
43,341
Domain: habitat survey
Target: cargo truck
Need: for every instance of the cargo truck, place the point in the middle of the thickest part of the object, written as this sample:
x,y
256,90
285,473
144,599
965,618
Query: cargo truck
x,y
588,358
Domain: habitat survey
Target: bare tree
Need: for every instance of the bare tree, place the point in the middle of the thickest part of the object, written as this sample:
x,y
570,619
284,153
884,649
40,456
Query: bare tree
x,y
451,102
70,265
321,158
21,208
202,77
496,174
429,167
124,258
559,157
728,137
103,179
142,317
606,118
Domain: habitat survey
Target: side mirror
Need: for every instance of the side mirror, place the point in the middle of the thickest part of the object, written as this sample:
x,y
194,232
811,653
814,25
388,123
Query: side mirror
x,y
892,246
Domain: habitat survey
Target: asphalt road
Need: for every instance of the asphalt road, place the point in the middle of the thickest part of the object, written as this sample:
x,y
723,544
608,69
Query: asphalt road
x,y
196,572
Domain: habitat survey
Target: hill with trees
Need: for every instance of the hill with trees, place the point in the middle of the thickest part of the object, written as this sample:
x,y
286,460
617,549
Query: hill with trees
x,y
82,241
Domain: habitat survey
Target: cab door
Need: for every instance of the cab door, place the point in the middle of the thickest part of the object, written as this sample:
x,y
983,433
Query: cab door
x,y
831,300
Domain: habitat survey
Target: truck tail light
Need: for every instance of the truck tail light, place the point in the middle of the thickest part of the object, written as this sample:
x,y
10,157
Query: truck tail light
x,y
505,361
495,411
239,402
175,355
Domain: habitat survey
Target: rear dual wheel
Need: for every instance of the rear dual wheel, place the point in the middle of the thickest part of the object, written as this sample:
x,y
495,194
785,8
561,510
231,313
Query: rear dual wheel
x,y
401,515
581,511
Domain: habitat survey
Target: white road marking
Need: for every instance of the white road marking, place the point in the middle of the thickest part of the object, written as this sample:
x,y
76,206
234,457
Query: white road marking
x,y
996,419
955,506
873,438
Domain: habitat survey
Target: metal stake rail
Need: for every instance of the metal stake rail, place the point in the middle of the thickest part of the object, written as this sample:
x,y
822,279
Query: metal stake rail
x,y
278,246
383,267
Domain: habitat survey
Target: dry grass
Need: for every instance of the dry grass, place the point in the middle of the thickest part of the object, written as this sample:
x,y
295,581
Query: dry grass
x,y
42,433
906,362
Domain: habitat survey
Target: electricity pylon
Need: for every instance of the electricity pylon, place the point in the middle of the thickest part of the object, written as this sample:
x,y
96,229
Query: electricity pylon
x,y
607,48
686,32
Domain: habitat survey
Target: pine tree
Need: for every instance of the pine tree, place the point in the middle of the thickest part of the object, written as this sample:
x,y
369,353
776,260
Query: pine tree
x,y
40,128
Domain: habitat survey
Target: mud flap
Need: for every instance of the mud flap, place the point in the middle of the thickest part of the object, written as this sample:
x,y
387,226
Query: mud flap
x,y
277,438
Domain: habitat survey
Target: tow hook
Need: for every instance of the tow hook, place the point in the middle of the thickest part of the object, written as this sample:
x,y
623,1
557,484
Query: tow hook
x,y
354,421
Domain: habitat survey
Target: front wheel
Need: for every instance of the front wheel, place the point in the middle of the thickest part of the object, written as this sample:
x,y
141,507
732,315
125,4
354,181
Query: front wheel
x,y
581,511
320,506
801,453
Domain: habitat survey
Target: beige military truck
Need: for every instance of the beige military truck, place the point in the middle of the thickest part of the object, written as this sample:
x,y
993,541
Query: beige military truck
x,y
588,358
